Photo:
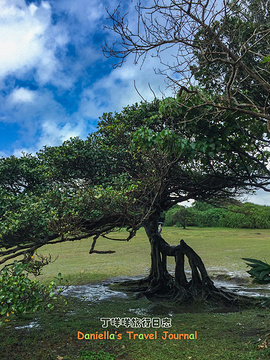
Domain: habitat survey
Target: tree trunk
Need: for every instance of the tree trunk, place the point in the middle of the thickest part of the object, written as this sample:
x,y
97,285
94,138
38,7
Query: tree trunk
x,y
161,283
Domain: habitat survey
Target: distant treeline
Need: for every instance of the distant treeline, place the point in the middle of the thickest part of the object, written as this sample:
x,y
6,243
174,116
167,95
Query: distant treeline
x,y
242,215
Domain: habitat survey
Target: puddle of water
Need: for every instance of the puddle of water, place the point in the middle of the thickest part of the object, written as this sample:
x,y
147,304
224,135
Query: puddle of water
x,y
139,312
99,292
244,289
93,292
229,272
33,324
238,282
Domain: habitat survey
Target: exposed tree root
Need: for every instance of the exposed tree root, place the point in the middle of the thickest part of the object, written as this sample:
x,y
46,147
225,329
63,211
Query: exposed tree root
x,y
189,294
162,285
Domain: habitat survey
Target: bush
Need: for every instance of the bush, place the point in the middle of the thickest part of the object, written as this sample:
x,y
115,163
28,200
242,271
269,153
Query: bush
x,y
169,221
249,216
208,218
19,294
180,218
245,215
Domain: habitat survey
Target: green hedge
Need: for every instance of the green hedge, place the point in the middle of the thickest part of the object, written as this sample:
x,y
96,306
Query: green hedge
x,y
247,215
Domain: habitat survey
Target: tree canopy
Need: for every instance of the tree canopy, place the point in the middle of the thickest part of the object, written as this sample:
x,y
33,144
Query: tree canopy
x,y
210,141
140,162
222,46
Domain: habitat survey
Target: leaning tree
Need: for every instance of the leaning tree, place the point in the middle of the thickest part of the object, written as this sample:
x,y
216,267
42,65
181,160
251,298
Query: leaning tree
x,y
217,52
191,159
138,164
210,141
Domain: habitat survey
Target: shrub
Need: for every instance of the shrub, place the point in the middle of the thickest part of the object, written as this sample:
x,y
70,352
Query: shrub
x,y
169,221
20,294
247,215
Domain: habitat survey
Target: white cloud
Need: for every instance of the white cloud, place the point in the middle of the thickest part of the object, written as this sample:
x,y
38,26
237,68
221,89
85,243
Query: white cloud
x,y
52,134
22,95
28,40
87,12
21,31
117,89
260,197
48,124
59,44
55,134
3,154
19,152
29,110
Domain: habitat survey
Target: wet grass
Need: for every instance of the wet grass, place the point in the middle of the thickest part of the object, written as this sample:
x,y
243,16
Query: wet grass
x,y
228,335
220,336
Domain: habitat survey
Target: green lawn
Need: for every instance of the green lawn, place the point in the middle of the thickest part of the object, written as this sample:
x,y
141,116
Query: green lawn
x,y
220,336
221,249
242,335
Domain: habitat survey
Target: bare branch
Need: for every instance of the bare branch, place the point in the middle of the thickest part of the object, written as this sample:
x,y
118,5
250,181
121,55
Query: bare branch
x,y
195,34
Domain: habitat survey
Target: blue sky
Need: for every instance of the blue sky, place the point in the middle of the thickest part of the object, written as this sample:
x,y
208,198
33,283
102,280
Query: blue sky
x,y
54,79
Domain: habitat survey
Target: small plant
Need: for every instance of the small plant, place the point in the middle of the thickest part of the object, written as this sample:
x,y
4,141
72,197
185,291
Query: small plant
x,y
260,271
19,294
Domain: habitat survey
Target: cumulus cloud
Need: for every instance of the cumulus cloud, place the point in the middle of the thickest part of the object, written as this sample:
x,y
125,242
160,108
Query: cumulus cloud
x,y
55,134
54,50
29,110
21,31
260,197
3,154
22,95
121,87
28,40
87,12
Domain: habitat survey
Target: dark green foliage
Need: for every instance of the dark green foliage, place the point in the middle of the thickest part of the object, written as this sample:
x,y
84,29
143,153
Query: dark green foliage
x,y
260,271
22,174
181,217
20,294
169,220
141,161
207,218
247,215
203,216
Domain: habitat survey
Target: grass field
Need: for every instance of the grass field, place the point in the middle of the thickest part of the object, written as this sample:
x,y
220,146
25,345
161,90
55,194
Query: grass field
x,y
228,335
221,249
